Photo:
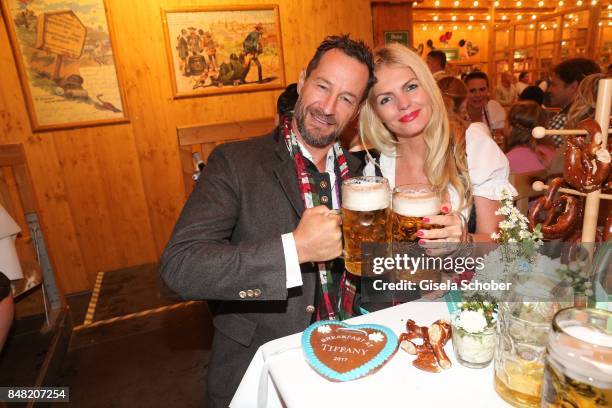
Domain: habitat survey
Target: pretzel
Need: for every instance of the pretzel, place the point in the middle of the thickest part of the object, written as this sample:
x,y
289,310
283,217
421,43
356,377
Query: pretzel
x,y
430,354
439,333
562,214
586,166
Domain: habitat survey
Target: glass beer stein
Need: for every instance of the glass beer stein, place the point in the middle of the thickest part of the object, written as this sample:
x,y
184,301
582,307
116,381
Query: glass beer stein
x,y
411,203
578,367
365,210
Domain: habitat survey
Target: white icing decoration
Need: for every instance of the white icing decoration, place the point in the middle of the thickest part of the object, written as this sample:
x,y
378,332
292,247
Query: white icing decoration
x,y
603,155
376,337
324,329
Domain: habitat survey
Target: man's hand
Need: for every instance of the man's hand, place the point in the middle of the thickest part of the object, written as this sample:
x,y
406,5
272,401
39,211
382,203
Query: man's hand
x,y
318,237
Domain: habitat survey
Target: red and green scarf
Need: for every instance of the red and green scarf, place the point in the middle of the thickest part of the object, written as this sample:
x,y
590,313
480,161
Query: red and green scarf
x,y
330,305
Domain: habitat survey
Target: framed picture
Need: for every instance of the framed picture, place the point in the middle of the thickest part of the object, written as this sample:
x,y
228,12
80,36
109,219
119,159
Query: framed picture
x,y
452,54
398,37
216,50
66,64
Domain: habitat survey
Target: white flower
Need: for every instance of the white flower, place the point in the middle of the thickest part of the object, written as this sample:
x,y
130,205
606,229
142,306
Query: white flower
x,y
505,195
376,337
324,329
574,266
512,240
495,236
588,292
471,321
587,284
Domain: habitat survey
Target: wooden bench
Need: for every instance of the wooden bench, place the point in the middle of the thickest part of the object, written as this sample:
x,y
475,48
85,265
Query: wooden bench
x,y
202,139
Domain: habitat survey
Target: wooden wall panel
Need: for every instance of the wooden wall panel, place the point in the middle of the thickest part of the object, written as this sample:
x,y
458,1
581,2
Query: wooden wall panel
x,y
110,195
391,17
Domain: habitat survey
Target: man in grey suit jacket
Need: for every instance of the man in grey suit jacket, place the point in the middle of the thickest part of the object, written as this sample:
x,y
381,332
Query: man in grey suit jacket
x,y
246,242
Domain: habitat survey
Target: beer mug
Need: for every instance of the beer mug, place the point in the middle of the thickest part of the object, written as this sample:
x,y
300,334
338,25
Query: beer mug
x,y
365,210
578,363
411,203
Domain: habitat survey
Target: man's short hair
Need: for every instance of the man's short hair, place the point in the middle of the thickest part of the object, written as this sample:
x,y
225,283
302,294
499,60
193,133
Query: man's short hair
x,y
522,75
532,93
286,101
575,69
438,56
353,48
476,75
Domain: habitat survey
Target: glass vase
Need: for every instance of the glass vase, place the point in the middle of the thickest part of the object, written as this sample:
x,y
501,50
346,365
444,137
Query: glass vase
x,y
474,350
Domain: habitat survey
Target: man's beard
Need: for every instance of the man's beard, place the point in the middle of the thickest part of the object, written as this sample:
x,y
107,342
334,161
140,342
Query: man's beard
x,y
309,138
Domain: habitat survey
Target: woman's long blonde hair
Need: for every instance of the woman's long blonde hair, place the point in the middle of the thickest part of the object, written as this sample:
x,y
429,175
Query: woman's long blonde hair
x,y
585,101
444,163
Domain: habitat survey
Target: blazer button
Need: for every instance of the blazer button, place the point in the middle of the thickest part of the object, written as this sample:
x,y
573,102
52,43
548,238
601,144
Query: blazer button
x,y
242,294
310,309
250,293
324,199
323,184
257,292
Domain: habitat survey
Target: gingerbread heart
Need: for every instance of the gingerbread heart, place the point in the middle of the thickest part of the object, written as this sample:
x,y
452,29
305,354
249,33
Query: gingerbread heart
x,y
343,352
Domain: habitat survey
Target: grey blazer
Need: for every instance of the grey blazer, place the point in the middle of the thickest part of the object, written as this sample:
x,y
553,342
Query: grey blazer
x,y
226,248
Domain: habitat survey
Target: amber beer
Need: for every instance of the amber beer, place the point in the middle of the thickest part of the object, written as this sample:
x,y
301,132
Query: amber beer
x,y
411,203
365,210
578,360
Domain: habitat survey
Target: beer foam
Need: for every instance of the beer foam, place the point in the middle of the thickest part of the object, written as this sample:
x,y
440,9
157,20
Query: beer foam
x,y
365,197
589,335
416,205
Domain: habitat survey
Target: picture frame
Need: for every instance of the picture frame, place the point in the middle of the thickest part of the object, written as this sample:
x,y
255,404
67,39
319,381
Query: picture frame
x,y
452,54
225,49
66,63
402,37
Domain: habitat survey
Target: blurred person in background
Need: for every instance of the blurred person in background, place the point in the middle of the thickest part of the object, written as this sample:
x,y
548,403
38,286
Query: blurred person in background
x,y
523,82
480,108
524,152
566,78
505,92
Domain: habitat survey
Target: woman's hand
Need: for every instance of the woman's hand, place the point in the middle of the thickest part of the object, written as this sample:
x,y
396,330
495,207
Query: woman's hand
x,y
450,229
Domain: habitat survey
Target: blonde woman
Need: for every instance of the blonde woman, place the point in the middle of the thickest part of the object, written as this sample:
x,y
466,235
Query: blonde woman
x,y
404,117
585,101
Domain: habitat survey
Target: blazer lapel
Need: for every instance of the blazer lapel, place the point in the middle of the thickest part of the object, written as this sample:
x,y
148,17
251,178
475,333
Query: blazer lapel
x,y
284,171
354,164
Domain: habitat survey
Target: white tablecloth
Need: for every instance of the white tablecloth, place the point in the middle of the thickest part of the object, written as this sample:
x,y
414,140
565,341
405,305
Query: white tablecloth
x,y
292,383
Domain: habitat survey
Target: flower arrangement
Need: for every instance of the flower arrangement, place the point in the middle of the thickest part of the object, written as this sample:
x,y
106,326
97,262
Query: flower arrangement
x,y
517,257
575,274
476,313
514,229
474,334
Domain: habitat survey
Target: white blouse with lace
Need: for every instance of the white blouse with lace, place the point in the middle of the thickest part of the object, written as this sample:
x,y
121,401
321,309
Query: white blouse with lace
x,y
488,167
